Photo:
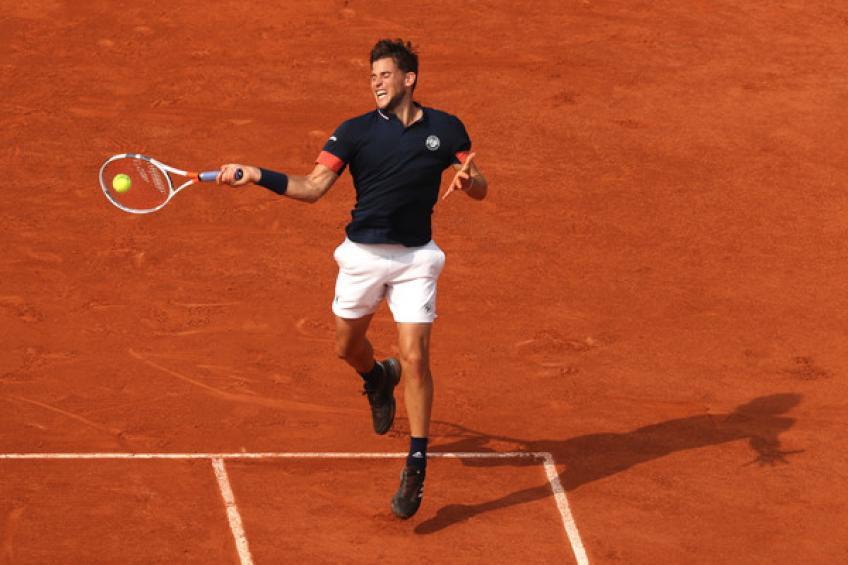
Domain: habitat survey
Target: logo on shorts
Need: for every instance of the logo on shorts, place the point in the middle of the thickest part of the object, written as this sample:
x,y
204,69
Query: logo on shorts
x,y
428,307
432,143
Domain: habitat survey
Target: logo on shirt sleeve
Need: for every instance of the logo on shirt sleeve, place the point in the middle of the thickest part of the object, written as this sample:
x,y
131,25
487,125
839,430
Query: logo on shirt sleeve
x,y
432,143
333,138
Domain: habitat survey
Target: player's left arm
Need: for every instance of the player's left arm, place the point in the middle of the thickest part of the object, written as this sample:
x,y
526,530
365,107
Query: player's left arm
x,y
469,180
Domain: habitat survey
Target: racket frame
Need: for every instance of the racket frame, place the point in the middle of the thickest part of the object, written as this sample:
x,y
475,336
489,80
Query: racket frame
x,y
193,178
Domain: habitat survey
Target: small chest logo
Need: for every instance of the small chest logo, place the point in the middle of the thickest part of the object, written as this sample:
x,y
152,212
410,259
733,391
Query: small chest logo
x,y
432,143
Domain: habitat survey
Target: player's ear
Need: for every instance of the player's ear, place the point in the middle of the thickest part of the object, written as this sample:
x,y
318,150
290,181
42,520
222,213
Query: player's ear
x,y
409,79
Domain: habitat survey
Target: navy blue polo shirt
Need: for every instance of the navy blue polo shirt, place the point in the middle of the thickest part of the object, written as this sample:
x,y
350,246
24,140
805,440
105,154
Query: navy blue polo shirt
x,y
396,172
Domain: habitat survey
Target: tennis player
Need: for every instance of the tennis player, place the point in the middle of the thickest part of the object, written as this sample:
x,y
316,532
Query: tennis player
x,y
396,155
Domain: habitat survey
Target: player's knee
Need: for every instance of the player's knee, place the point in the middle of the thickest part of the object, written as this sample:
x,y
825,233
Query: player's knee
x,y
415,364
345,349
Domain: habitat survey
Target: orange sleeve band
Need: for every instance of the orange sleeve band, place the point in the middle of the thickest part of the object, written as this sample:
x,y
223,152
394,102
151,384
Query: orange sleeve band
x,y
330,161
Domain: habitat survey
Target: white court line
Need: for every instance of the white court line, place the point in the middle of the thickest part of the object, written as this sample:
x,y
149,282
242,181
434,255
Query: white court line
x,y
232,512
274,455
565,511
548,459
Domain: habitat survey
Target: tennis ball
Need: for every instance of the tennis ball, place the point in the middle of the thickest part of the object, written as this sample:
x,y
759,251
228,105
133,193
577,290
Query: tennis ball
x,y
121,183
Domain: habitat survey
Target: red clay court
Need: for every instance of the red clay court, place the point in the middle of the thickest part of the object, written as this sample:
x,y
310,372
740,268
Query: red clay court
x,y
641,352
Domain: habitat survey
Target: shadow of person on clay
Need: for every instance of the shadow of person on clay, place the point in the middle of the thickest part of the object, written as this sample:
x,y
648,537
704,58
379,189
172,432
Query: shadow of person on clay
x,y
595,456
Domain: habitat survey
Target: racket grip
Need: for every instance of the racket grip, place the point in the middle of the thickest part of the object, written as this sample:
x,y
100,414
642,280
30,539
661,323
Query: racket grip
x,y
210,176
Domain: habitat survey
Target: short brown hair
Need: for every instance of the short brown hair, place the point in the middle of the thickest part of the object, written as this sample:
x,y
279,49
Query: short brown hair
x,y
402,52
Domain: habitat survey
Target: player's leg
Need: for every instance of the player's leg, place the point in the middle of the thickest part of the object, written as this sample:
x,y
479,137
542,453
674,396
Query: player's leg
x,y
412,299
359,290
414,347
379,377
352,344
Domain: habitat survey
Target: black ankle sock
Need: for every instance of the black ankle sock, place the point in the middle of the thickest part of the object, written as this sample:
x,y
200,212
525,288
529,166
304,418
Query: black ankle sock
x,y
417,453
373,377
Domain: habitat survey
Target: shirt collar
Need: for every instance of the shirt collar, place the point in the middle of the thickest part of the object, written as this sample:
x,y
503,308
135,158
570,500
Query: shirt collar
x,y
389,117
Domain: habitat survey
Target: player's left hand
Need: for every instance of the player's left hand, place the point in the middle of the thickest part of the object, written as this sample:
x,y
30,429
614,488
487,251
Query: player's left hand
x,y
461,175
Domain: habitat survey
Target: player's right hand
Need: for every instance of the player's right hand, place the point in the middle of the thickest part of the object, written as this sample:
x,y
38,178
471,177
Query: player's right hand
x,y
228,174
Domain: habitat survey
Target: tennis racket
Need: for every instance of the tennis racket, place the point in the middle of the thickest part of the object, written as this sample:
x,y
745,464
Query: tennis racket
x,y
150,184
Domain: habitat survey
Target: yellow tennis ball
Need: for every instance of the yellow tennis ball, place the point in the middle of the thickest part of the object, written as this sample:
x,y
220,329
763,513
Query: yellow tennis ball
x,y
121,183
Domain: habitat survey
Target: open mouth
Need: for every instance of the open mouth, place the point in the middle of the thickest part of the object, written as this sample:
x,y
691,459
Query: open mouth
x,y
381,94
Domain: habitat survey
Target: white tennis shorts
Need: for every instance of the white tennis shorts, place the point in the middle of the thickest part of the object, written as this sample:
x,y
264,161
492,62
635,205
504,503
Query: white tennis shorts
x,y
405,276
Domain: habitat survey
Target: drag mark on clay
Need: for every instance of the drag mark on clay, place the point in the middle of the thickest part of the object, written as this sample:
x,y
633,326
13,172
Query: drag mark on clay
x,y
43,256
227,373
274,403
308,328
183,333
134,404
549,341
551,351
205,304
9,529
117,434
245,327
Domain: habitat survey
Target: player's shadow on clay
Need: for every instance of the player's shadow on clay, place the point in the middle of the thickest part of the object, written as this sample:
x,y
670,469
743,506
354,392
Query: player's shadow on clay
x,y
595,456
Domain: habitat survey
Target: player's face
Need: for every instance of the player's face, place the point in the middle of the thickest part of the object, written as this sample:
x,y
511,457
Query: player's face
x,y
389,83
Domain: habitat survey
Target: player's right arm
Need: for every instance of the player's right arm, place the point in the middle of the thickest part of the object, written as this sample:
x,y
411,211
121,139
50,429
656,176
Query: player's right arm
x,y
308,188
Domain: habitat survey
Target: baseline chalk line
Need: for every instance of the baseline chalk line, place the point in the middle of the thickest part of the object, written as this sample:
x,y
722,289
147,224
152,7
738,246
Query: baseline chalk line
x,y
275,455
217,459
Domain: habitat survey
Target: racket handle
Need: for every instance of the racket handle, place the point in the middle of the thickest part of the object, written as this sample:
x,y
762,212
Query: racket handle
x,y
210,176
